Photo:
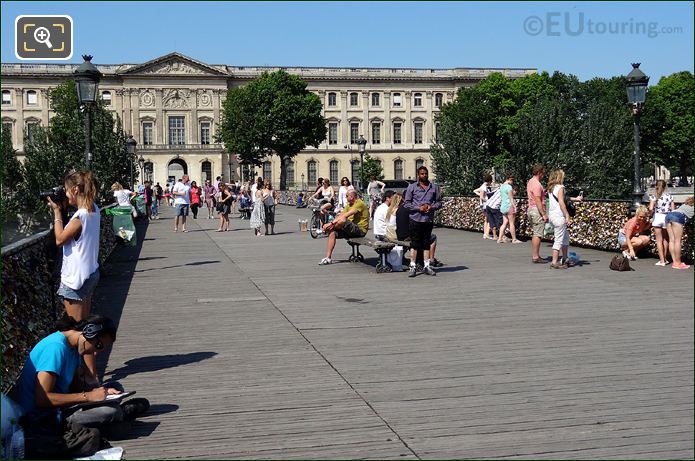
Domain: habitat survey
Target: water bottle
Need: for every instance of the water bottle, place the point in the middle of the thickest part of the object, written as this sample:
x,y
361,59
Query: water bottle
x,y
574,257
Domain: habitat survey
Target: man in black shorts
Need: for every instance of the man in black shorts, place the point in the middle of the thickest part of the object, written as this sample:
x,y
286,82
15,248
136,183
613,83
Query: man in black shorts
x,y
421,200
352,222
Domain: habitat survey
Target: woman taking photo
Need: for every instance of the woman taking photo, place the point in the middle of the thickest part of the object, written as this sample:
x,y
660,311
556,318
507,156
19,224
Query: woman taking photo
x,y
224,206
660,204
79,239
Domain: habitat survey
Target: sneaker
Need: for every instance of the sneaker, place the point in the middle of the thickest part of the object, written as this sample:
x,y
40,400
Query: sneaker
x,y
680,266
436,263
659,263
412,272
325,261
626,254
134,408
428,270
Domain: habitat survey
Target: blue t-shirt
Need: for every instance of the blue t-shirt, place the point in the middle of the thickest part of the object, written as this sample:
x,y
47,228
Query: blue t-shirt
x,y
51,354
506,203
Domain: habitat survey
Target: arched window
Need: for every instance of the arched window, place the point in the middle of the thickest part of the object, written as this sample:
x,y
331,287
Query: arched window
x,y
418,163
332,100
438,99
376,132
333,171
149,171
32,98
6,97
32,126
354,172
311,173
375,100
398,169
106,97
268,171
206,171
417,100
7,126
354,99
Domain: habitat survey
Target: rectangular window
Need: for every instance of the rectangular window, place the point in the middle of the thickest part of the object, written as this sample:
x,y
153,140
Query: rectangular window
x,y
268,171
354,172
396,133
438,100
333,171
32,98
396,100
398,169
206,170
417,100
31,129
7,126
354,99
311,173
331,100
354,132
376,133
375,99
205,132
290,172
147,138
106,97
6,97
418,133
333,133
177,132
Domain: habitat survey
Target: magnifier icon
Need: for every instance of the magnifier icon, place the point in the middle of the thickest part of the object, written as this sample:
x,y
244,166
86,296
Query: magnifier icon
x,y
42,35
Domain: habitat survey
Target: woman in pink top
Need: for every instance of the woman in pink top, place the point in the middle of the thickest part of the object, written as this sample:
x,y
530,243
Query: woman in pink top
x,y
635,234
195,198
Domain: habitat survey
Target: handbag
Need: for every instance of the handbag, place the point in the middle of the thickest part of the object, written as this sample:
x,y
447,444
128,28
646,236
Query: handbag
x,y
220,207
391,232
620,263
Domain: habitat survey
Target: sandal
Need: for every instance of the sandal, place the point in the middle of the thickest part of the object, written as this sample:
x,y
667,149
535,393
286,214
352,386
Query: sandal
x,y
539,261
517,241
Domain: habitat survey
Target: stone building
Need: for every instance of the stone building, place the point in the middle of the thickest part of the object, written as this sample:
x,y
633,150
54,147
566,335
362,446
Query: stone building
x,y
171,105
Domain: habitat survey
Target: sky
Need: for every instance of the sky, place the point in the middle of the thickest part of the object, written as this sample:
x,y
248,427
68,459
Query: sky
x,y
587,39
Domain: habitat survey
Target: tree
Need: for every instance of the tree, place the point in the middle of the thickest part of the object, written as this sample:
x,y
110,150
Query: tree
x,y
668,123
51,151
11,174
274,114
370,167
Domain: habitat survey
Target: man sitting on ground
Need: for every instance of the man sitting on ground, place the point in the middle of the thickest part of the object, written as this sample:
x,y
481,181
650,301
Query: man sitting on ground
x,y
352,222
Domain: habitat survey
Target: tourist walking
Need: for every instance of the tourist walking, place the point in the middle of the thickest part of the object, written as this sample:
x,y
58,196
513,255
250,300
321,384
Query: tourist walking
x,y
210,192
559,217
149,199
158,193
422,199
79,240
660,204
675,221
484,192
269,202
182,201
508,210
196,200
537,216
375,189
224,206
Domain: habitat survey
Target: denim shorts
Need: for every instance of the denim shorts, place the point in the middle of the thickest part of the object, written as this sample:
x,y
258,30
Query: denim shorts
x,y
82,293
676,217
181,209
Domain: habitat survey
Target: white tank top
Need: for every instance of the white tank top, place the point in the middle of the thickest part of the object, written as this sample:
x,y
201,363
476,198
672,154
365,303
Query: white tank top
x,y
81,256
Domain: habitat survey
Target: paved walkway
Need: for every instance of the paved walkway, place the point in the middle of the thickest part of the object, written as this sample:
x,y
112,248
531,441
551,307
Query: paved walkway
x,y
248,349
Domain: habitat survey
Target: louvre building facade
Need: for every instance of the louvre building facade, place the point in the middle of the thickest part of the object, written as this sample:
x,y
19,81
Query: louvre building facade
x,y
172,105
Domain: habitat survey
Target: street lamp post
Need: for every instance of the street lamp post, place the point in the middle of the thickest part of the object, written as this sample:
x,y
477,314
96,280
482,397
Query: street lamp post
x,y
302,181
636,95
131,143
141,162
361,144
87,78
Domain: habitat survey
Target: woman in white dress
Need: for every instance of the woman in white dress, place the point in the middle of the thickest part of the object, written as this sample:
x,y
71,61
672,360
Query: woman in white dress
x,y
258,213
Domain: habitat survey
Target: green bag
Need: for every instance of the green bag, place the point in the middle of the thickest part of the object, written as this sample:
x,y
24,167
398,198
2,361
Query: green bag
x,y
123,226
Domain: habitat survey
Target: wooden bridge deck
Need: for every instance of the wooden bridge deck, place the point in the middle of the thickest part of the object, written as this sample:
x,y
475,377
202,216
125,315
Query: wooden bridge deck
x,y
248,349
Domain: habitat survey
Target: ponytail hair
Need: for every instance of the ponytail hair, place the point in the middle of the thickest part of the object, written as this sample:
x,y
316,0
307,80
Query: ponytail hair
x,y
87,185
67,323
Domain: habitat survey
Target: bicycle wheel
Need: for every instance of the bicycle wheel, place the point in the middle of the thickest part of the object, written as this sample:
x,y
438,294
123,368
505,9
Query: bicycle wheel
x,y
314,226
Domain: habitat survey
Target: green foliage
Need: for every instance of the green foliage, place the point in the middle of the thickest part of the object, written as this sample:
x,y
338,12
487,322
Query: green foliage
x,y
370,167
274,114
12,174
56,149
583,128
668,123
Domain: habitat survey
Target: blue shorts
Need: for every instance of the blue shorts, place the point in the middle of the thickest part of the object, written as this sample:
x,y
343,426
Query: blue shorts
x,y
182,209
676,217
82,293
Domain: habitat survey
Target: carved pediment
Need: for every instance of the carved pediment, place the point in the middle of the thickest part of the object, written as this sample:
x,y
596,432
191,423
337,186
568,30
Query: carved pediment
x,y
174,64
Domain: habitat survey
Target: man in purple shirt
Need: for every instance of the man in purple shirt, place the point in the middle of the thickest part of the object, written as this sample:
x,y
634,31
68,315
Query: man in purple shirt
x,y
421,200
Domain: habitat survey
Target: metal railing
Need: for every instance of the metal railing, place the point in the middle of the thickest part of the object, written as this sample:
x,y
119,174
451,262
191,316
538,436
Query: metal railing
x,y
180,146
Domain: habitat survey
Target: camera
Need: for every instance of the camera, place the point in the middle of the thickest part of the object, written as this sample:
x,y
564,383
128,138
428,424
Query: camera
x,y
57,194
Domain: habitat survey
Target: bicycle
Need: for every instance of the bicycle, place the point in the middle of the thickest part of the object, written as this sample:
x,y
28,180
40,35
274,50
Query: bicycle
x,y
318,220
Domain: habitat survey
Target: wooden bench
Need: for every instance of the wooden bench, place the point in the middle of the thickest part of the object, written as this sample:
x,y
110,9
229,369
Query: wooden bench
x,y
381,248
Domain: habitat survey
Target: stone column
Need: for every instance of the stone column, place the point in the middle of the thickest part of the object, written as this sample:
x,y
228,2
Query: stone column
x,y
365,109
345,131
159,123
124,100
216,106
135,113
43,95
387,128
408,128
429,122
195,132
18,134
322,97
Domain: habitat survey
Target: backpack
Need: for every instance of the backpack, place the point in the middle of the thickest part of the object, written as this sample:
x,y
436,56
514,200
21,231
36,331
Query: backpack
x,y
620,263
569,204
46,438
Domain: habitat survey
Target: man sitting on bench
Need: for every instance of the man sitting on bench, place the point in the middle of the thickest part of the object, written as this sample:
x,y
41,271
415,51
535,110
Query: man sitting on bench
x,y
352,222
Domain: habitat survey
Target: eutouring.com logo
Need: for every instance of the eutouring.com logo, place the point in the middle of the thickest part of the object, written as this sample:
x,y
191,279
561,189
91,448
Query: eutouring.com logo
x,y
558,24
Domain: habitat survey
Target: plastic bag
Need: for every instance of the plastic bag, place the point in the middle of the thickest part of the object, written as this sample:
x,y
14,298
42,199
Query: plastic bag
x,y
395,258
123,226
